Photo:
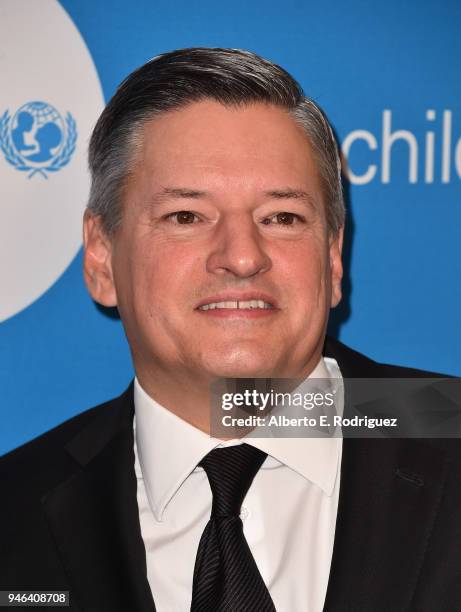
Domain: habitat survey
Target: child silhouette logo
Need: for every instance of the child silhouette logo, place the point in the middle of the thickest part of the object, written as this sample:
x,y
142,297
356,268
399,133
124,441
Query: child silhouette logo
x,y
37,139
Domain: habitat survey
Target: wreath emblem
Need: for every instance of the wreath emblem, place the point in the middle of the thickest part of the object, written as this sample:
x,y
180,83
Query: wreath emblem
x,y
54,139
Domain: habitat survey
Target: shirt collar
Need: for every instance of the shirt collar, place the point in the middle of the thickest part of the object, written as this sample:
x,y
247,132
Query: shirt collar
x,y
169,448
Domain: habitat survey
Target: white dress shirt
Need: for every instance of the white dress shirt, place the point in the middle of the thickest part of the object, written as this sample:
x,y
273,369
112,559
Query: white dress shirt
x,y
288,514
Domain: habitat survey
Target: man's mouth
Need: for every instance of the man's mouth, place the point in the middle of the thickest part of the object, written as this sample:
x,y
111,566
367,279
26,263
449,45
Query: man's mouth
x,y
238,304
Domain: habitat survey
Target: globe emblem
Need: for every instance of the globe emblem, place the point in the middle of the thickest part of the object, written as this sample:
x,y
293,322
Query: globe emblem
x,y
37,132
37,139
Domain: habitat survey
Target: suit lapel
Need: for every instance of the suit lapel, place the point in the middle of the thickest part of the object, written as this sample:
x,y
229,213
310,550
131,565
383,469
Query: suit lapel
x,y
389,496
390,493
94,519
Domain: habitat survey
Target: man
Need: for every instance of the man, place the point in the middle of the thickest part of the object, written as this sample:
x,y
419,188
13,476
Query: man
x,y
215,226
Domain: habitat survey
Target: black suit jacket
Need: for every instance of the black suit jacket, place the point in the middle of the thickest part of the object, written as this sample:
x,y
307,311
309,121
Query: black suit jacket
x,y
69,517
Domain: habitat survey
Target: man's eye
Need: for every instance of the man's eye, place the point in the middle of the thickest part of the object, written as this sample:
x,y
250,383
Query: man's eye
x,y
183,217
283,218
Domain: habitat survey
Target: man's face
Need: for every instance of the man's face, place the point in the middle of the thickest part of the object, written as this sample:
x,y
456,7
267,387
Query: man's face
x,y
223,265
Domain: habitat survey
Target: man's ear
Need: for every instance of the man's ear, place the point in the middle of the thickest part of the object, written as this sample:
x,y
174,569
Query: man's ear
x,y
97,261
336,266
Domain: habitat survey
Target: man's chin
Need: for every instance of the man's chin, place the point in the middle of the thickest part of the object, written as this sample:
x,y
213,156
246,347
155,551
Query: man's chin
x,y
243,368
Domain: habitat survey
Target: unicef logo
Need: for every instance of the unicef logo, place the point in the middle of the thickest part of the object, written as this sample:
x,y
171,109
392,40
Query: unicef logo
x,y
37,139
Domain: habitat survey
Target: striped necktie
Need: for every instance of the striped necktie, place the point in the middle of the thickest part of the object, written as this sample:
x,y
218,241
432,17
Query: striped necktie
x,y
226,577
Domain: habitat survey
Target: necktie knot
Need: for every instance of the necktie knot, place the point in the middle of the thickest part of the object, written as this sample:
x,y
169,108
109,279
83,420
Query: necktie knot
x,y
230,472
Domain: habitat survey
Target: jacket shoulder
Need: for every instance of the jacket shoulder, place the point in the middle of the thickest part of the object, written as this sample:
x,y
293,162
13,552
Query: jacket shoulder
x,y
29,558
38,464
356,365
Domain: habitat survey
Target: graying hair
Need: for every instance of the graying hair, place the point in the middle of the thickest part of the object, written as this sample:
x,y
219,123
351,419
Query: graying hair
x,y
172,80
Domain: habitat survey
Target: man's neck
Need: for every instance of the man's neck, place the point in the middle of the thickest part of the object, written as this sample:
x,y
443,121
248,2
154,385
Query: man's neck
x,y
190,398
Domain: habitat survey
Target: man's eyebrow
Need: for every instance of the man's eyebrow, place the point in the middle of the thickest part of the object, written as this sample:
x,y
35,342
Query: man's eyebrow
x,y
172,193
292,194
177,192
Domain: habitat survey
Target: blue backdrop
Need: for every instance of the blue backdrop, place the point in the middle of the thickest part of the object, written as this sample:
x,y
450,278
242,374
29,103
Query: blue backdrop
x,y
387,74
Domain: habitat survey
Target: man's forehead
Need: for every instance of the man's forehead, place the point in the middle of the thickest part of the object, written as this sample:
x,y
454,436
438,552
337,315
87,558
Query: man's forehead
x,y
207,137
209,117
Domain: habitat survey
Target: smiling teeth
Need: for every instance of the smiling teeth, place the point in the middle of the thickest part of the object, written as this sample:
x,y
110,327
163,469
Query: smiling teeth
x,y
243,305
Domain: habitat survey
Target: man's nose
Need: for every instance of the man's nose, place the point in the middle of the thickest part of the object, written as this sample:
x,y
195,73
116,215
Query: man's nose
x,y
238,248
